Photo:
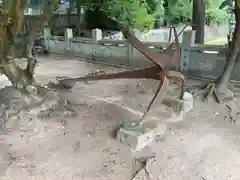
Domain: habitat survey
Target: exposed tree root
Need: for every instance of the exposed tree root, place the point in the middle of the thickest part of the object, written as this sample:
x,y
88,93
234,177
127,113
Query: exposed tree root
x,y
138,166
210,90
21,108
221,91
229,116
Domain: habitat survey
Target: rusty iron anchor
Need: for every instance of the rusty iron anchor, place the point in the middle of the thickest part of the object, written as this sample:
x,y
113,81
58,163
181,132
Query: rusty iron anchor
x,y
163,70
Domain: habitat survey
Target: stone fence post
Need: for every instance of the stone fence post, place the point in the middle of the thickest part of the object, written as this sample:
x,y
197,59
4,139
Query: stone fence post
x,y
187,40
96,36
130,54
46,34
68,35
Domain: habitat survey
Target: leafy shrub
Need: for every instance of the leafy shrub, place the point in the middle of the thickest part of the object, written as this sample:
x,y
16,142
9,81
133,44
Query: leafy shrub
x,y
215,15
178,11
134,14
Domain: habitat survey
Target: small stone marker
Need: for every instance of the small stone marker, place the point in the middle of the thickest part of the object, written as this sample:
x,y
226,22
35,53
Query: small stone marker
x,y
180,106
138,135
128,134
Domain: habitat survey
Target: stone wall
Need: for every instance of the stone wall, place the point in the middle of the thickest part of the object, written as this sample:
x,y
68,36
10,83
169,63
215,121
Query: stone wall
x,y
201,61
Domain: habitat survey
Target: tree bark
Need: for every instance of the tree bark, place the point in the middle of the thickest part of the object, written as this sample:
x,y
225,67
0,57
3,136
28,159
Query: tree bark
x,y
9,30
19,78
198,20
233,55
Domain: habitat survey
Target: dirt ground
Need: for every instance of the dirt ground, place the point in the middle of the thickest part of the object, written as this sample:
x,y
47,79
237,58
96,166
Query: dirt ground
x,y
205,146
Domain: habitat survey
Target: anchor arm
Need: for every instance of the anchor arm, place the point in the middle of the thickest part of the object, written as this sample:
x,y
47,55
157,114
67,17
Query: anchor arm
x,y
145,73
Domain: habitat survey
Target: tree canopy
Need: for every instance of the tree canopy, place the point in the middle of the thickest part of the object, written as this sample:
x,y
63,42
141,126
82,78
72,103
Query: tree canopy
x,y
142,14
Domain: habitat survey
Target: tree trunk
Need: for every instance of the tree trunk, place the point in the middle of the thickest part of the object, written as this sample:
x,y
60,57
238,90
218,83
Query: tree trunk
x,y
79,25
29,46
20,99
81,22
20,77
233,55
198,20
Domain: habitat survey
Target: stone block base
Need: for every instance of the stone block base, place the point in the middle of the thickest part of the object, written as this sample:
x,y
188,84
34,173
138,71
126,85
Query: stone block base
x,y
137,136
140,135
180,106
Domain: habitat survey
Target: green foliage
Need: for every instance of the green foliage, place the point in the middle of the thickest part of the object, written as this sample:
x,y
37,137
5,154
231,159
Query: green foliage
x,y
178,11
133,14
141,14
224,4
157,6
216,13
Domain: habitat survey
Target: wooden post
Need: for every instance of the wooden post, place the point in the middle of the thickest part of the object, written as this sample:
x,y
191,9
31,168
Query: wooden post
x,y
187,40
96,36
